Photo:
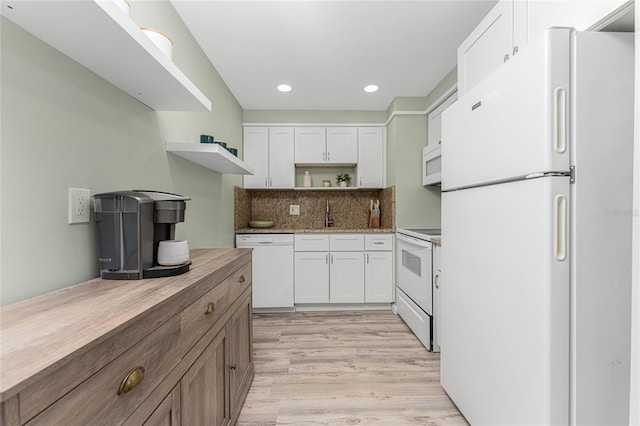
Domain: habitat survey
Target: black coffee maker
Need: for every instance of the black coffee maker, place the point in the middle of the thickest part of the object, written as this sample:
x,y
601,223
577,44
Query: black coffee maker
x,y
130,226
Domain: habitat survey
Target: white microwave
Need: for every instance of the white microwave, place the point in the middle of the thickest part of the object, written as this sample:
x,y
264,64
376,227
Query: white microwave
x,y
431,165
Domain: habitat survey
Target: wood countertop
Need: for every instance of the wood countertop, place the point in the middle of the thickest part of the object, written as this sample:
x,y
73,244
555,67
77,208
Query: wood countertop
x,y
330,230
40,334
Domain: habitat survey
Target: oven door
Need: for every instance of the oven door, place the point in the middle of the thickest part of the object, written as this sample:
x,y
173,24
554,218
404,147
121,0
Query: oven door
x,y
414,266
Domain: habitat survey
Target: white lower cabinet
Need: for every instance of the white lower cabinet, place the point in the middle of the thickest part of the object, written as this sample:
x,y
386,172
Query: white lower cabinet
x,y
378,274
337,268
346,283
311,277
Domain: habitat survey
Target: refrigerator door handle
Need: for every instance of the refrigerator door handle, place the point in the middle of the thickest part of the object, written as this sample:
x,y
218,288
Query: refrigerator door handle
x,y
560,228
560,119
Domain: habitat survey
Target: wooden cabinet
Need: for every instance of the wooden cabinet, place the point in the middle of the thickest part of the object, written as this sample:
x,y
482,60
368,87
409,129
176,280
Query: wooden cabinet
x,y
371,157
512,24
173,350
326,145
343,268
269,151
168,412
204,394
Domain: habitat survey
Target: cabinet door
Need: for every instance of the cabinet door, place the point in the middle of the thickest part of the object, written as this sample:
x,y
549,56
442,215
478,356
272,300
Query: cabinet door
x,y
203,387
437,282
371,155
342,145
310,145
434,130
378,273
347,277
168,412
282,170
312,277
240,338
256,154
486,47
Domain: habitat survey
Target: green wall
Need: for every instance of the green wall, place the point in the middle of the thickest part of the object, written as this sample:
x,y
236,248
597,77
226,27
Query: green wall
x,y
63,126
416,206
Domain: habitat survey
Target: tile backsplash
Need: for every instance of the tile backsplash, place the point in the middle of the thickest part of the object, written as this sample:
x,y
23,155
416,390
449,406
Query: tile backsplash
x,y
347,208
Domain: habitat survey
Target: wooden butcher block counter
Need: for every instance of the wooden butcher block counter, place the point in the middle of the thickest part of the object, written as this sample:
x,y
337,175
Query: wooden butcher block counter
x,y
174,350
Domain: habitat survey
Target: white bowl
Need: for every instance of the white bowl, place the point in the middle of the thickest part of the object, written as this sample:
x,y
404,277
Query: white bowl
x,y
173,252
160,39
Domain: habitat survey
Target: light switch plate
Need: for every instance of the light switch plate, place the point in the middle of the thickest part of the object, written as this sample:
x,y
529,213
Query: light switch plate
x,y
294,209
79,205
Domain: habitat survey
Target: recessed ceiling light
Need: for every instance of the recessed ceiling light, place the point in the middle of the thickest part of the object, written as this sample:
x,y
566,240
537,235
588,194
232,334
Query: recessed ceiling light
x,y
283,88
371,88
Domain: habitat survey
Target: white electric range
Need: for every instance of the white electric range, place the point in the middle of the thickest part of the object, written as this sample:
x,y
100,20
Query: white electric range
x,y
414,281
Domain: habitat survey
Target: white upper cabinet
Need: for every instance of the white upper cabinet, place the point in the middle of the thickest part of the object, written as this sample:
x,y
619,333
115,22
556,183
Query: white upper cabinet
x,y
342,145
281,167
371,156
434,131
487,47
269,151
512,24
326,146
310,145
99,36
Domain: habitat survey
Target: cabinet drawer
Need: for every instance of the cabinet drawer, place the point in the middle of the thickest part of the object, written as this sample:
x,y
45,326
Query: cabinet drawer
x,y
96,401
378,242
204,312
311,242
346,242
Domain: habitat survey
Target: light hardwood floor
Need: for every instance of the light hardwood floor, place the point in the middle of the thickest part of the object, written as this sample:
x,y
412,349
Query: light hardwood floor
x,y
332,368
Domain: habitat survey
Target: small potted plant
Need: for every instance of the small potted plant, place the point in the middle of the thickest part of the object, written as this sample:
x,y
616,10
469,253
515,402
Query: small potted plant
x,y
343,179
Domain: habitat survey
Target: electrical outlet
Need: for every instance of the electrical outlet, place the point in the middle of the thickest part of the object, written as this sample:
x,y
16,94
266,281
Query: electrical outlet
x,y
294,209
79,205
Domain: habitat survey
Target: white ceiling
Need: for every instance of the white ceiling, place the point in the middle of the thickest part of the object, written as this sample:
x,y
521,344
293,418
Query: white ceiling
x,y
329,50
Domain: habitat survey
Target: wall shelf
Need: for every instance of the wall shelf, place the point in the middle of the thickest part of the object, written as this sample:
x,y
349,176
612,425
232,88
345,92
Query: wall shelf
x,y
212,156
101,37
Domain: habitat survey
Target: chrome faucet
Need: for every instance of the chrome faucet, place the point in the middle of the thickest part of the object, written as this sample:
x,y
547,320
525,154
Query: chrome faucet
x,y
327,222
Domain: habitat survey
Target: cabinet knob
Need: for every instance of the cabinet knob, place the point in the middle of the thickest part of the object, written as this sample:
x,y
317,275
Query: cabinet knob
x,y
131,380
233,367
241,279
210,308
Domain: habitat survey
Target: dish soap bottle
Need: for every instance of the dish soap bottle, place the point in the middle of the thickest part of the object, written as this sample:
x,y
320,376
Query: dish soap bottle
x,y
306,181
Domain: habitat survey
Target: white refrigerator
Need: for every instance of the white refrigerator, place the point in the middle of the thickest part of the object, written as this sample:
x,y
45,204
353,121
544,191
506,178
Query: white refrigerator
x,y
536,236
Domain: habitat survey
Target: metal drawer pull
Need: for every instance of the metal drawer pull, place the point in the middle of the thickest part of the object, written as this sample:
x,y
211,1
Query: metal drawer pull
x,y
131,380
210,308
241,279
378,242
233,367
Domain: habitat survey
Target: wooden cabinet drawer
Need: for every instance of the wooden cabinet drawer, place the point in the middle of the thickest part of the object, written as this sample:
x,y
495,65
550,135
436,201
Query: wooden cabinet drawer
x,y
239,281
378,242
208,309
204,312
96,401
